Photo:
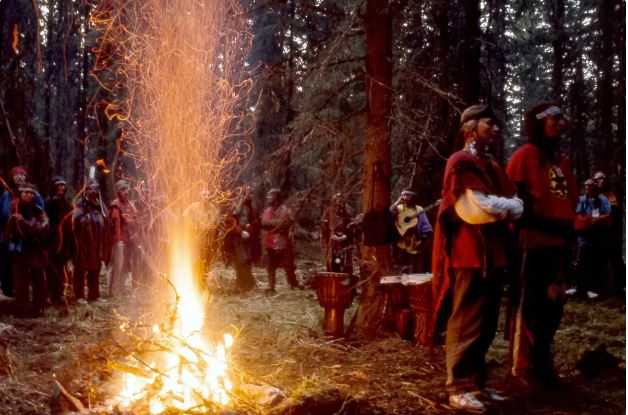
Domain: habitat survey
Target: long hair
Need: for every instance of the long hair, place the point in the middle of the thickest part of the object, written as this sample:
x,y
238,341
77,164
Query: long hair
x,y
535,131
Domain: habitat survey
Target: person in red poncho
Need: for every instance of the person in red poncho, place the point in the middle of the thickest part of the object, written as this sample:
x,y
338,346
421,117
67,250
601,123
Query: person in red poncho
x,y
90,223
545,183
124,236
470,255
277,221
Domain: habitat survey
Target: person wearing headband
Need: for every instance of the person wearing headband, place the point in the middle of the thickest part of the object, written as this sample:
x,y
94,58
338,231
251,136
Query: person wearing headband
x,y
26,229
544,181
17,176
470,254
60,244
413,231
91,233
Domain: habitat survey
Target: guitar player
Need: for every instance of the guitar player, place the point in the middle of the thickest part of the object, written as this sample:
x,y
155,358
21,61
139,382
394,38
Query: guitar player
x,y
413,231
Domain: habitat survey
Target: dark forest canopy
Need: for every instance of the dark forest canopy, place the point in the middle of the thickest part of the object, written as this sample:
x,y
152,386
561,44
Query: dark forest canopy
x,y
308,63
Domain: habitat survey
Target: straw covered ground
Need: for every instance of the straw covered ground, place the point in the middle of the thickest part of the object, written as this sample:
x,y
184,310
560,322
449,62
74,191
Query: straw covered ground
x,y
279,343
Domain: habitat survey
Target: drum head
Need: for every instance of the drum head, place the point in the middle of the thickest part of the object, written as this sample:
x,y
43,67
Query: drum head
x,y
416,279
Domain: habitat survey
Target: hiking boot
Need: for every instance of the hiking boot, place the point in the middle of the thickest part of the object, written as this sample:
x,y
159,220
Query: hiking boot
x,y
466,402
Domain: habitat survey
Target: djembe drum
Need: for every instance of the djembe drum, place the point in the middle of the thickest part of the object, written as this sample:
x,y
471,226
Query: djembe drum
x,y
333,290
420,298
397,313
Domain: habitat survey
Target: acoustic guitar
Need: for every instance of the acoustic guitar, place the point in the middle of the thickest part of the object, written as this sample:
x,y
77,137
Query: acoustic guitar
x,y
409,218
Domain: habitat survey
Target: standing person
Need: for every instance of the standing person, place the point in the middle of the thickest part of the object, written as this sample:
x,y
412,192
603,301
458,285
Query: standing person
x,y
544,181
593,218
277,220
17,177
337,229
615,236
123,237
413,231
470,254
61,242
26,230
91,233
252,244
233,249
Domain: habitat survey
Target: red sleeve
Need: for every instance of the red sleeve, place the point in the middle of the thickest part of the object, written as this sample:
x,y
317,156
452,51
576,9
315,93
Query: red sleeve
x,y
116,222
516,167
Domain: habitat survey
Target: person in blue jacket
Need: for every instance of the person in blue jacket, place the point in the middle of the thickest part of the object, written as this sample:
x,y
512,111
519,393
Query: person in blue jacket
x,y
17,177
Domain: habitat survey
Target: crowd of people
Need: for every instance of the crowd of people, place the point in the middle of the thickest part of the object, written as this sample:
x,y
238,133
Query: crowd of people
x,y
524,225
517,226
49,246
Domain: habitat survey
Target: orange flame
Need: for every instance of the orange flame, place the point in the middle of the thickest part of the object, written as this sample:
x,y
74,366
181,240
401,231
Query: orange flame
x,y
16,38
181,66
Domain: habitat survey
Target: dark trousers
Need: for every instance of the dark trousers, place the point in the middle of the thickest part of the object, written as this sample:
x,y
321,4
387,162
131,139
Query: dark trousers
x,y
6,279
56,278
471,328
591,269
93,287
23,277
539,313
283,258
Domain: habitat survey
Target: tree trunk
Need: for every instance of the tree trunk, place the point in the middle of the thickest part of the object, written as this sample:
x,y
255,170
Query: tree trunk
x,y
618,174
470,53
578,124
559,38
604,94
496,65
377,166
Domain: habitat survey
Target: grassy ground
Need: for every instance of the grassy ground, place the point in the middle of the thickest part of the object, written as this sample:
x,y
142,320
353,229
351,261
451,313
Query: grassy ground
x,y
279,342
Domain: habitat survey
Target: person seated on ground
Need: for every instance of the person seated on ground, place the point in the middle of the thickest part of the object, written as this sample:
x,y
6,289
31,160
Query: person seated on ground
x,y
91,233
338,229
26,231
277,221
614,236
592,220
234,253
17,177
413,230
123,215
60,244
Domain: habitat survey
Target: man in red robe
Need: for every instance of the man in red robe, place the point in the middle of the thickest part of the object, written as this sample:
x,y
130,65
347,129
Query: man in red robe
x,y
470,255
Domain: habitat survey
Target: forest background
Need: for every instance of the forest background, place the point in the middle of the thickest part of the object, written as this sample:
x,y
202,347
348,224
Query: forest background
x,y
310,66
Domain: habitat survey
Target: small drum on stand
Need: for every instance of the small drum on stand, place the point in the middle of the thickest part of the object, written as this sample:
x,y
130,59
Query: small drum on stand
x,y
420,297
333,290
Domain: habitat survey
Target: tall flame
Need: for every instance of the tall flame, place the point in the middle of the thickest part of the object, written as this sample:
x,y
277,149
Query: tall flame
x,y
179,90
